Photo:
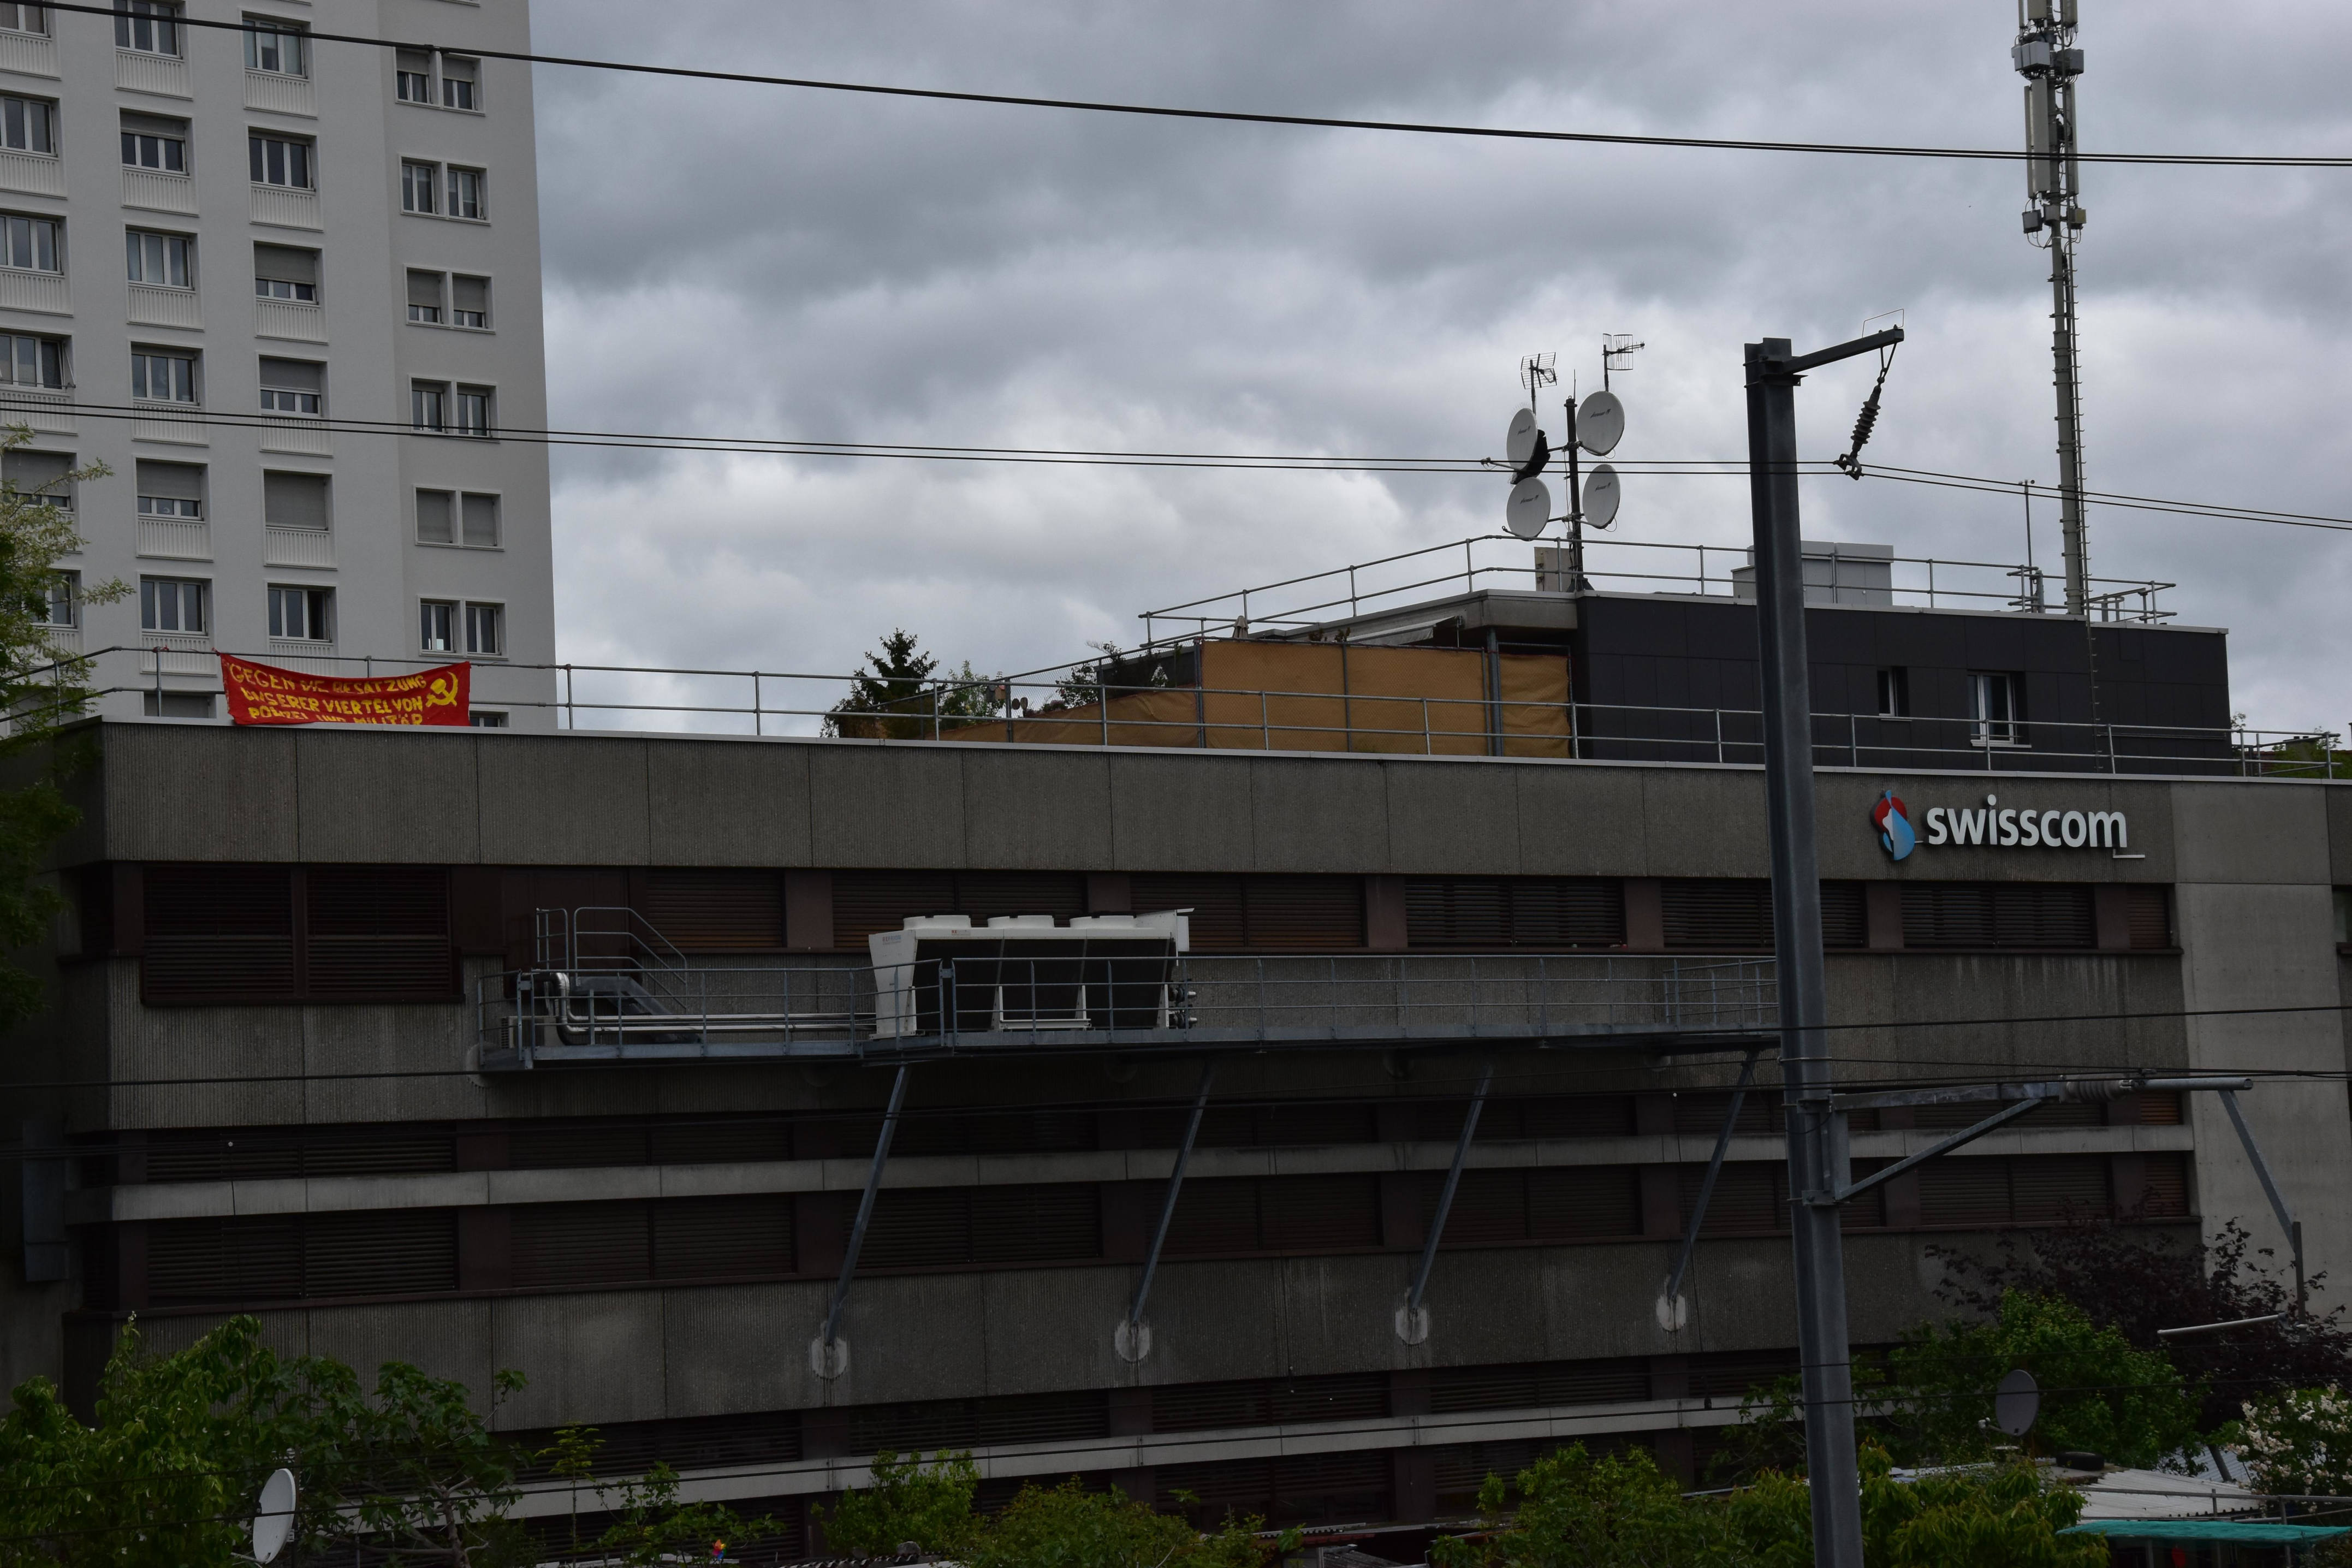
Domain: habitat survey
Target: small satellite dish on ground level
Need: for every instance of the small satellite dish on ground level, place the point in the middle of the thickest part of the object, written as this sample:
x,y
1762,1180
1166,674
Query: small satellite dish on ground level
x,y
1528,509
1519,444
1601,497
1600,423
273,1515
2016,1403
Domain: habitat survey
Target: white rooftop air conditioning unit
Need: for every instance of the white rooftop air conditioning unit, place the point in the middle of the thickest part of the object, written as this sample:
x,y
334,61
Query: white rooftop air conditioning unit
x,y
939,974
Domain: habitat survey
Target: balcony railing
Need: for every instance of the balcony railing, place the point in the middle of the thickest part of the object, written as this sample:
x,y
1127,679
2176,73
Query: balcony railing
x,y
620,1012
1066,710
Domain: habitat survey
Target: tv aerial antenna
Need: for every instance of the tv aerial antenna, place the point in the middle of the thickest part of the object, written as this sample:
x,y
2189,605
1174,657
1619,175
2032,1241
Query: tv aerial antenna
x,y
1616,348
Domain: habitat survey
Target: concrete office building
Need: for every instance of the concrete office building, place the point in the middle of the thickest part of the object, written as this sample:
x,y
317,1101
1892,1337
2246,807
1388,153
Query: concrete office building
x,y
325,1112
286,291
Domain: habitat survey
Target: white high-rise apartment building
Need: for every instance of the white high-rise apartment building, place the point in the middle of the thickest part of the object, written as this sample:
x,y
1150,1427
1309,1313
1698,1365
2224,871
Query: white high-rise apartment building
x,y
215,243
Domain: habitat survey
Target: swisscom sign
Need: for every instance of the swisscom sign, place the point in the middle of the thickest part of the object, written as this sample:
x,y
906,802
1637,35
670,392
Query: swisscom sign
x,y
1996,825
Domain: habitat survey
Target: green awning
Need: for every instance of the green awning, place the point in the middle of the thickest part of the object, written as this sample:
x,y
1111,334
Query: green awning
x,y
2250,1529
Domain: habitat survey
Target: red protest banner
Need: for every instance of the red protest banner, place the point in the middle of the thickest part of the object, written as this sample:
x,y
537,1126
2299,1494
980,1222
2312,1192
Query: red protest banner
x,y
265,694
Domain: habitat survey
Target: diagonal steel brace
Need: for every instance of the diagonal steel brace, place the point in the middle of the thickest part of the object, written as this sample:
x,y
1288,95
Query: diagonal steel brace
x,y
1706,1186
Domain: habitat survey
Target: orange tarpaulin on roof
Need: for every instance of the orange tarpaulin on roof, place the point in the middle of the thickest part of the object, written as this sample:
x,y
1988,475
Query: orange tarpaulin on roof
x,y
1324,697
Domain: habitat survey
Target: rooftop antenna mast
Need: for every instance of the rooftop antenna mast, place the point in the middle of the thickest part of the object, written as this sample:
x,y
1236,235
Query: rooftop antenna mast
x,y
2045,54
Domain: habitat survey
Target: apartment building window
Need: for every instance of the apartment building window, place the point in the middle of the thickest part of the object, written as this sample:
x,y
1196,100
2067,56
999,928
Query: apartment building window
x,y
154,141
284,272
428,405
274,46
65,600
282,161
1895,693
484,719
424,298
150,27
173,604
160,375
171,489
302,615
474,411
412,76
32,361
28,124
1995,709
470,302
480,515
39,476
465,193
23,18
484,626
30,244
418,184
449,517
486,629
295,501
460,77
160,260
292,387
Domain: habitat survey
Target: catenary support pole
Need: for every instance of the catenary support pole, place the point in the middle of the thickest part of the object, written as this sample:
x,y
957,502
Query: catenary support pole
x,y
826,1355
1412,1326
1133,1340
1817,1145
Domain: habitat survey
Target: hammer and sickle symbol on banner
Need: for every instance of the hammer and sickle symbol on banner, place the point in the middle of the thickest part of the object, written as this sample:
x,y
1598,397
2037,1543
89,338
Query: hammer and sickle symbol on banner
x,y
442,693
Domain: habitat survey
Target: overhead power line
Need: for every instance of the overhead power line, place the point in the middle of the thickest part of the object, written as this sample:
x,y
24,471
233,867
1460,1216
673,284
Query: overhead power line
x,y
1085,457
1308,121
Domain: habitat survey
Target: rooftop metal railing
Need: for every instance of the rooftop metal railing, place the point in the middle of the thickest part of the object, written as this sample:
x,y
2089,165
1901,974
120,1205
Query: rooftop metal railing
x,y
1016,1005
1394,582
1078,709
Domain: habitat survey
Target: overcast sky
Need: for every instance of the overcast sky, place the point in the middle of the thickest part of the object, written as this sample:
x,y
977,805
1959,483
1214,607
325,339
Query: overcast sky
x,y
757,262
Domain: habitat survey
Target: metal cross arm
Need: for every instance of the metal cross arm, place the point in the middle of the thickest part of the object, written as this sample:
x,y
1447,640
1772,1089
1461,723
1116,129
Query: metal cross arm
x,y
1797,364
2022,1098
1412,1323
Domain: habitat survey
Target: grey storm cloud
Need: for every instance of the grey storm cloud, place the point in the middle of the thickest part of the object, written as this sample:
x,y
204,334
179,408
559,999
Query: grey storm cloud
x,y
759,261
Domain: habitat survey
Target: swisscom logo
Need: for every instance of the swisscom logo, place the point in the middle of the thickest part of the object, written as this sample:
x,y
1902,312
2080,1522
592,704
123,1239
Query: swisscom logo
x,y
1996,826
1894,826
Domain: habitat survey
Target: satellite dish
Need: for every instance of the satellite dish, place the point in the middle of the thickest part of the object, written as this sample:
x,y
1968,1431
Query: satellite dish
x,y
2016,1403
1599,423
1519,445
1528,509
273,1518
1601,497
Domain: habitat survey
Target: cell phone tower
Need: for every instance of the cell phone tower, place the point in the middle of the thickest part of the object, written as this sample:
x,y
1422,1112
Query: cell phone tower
x,y
2047,55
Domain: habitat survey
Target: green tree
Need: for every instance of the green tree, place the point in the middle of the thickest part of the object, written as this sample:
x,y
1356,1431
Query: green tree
x,y
2298,1441
168,1477
2099,1392
41,688
2001,1516
901,695
1577,1509
1069,1526
654,1527
929,1505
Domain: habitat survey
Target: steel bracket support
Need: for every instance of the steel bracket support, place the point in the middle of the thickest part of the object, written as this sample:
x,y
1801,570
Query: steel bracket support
x,y
1998,1119
1133,1338
828,1352
1412,1321
2287,1221
1671,1310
